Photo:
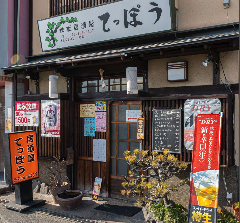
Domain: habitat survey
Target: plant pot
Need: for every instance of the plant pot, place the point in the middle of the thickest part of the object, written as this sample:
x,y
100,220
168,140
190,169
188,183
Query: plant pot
x,y
69,199
58,190
236,212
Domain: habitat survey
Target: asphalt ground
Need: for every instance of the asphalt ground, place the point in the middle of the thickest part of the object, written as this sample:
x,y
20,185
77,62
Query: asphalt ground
x,y
51,213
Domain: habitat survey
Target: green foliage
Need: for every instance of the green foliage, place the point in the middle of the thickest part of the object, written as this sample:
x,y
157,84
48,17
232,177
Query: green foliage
x,y
175,214
226,217
53,27
236,205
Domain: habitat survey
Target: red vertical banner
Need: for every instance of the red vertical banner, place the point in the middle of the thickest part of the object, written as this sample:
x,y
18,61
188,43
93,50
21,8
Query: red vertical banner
x,y
204,177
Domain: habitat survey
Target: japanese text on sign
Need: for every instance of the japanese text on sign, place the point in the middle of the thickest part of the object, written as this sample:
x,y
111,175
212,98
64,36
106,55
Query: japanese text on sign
x,y
106,22
140,128
24,161
204,177
26,113
192,108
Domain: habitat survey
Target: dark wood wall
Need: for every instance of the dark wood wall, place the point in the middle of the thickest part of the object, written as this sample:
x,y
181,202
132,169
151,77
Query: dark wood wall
x,y
52,146
86,168
58,7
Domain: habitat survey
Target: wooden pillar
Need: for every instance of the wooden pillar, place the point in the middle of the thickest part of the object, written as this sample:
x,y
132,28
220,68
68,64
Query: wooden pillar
x,y
71,86
216,69
229,131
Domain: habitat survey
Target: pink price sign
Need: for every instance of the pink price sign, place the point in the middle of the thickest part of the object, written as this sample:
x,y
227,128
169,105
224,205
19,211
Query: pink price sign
x,y
26,113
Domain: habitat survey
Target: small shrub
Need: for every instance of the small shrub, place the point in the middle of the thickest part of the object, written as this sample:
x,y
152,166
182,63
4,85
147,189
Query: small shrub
x,y
175,214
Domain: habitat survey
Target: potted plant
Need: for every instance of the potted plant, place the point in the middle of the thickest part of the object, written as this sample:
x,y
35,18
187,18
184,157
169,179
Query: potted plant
x,y
235,207
59,182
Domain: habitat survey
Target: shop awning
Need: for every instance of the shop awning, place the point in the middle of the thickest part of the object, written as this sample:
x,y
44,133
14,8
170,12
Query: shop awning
x,y
128,51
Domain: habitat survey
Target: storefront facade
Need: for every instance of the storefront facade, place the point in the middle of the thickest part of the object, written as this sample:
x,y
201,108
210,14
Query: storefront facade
x,y
199,36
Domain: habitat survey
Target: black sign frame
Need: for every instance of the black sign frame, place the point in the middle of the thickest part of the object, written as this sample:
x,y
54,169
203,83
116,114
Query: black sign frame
x,y
167,112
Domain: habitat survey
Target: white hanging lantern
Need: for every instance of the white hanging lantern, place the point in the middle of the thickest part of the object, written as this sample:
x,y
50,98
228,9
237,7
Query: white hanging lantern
x,y
53,86
131,75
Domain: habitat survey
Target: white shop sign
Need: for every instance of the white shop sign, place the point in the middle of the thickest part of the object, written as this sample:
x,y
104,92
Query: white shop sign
x,y
111,21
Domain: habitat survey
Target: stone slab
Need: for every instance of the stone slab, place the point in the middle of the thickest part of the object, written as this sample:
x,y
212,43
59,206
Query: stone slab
x,y
24,207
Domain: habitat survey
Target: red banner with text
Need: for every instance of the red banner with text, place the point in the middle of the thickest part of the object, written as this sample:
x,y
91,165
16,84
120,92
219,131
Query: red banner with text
x,y
204,177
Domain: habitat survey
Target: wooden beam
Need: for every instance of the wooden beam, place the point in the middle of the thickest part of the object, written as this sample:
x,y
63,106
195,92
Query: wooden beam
x,y
38,97
162,93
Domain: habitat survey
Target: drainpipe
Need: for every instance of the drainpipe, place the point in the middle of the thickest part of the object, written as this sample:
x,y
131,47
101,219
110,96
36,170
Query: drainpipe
x,y
15,51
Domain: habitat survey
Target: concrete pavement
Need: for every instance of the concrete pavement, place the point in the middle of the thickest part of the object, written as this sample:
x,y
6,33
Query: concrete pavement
x,y
85,213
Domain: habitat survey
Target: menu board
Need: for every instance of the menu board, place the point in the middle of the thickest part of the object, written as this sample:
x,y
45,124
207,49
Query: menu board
x,y
87,111
166,130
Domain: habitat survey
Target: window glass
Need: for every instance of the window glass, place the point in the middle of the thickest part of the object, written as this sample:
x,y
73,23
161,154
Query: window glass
x,y
92,89
113,131
122,168
84,84
122,113
115,88
124,81
113,112
122,131
140,80
124,87
113,148
122,147
140,87
133,131
113,166
84,90
100,86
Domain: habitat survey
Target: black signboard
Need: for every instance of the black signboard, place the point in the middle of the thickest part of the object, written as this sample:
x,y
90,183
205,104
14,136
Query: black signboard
x,y
166,130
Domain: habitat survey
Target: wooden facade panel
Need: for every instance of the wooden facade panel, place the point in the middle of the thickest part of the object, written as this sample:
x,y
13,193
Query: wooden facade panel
x,y
80,175
52,146
88,169
88,179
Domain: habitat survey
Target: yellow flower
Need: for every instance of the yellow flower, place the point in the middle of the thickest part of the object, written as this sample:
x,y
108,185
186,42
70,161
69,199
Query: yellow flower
x,y
131,183
123,192
126,153
160,157
154,153
136,151
144,152
154,163
166,151
183,165
124,184
219,210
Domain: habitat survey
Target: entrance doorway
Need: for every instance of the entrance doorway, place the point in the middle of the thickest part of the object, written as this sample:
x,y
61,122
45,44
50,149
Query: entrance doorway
x,y
123,137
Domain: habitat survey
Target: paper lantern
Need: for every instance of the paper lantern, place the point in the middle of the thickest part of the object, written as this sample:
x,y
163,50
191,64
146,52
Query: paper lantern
x,y
53,86
131,75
